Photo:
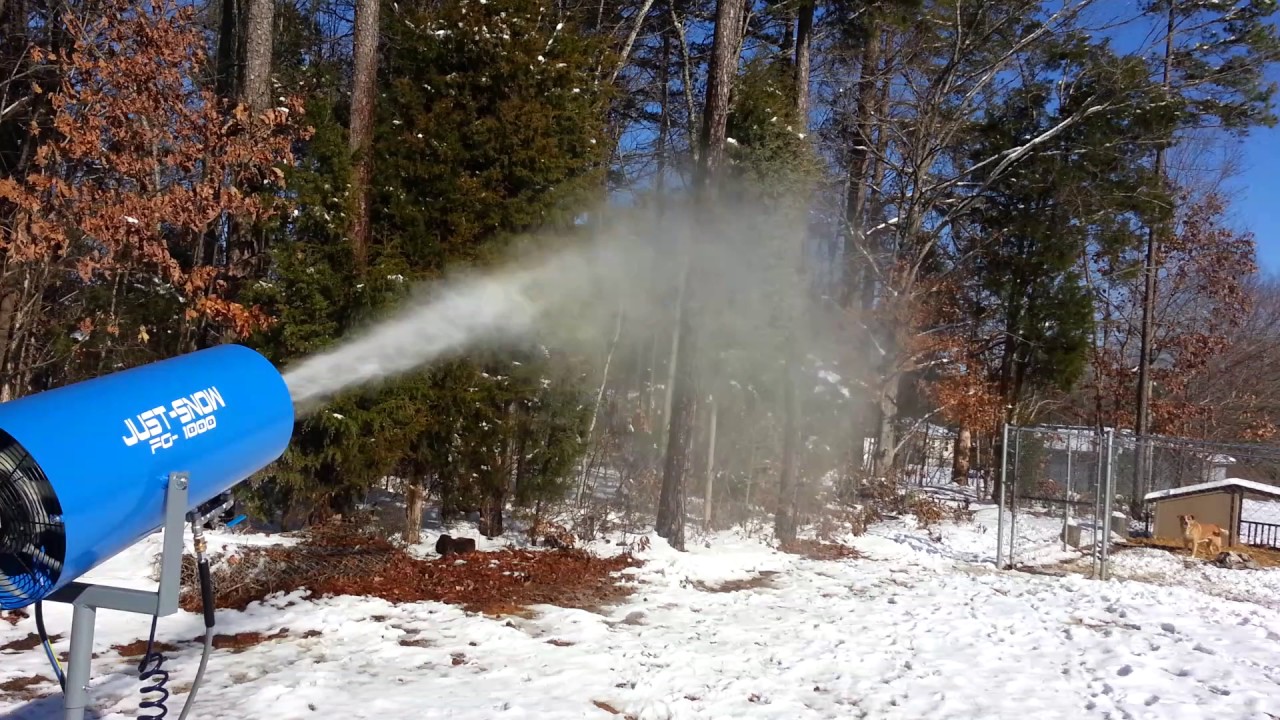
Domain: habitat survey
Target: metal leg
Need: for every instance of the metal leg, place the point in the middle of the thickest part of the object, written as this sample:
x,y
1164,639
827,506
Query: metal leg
x,y
80,656
1106,508
1066,508
1013,497
1000,503
85,599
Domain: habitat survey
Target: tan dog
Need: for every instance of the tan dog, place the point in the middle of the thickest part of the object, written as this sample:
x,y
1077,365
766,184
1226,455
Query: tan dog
x,y
1196,533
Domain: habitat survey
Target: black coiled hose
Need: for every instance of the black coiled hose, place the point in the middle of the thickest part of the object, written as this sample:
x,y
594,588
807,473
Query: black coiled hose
x,y
48,648
150,671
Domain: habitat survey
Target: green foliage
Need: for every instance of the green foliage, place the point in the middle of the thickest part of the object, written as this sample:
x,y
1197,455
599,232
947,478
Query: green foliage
x,y
1079,196
1220,55
772,159
490,124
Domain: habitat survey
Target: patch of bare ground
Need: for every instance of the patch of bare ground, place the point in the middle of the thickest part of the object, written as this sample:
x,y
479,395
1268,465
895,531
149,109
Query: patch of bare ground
x,y
25,688
138,648
30,642
239,642
818,550
341,560
611,709
762,579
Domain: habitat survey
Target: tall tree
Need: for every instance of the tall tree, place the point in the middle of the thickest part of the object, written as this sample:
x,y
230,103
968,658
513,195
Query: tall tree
x,y
363,97
1212,72
726,51
788,481
260,34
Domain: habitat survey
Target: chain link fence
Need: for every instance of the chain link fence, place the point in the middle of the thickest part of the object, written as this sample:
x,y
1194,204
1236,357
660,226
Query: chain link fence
x,y
1055,490
1064,490
1230,485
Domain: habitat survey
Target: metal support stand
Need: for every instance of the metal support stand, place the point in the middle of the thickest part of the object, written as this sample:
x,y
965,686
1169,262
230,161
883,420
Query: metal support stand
x,y
87,599
1066,508
1013,498
1000,502
1099,488
1107,508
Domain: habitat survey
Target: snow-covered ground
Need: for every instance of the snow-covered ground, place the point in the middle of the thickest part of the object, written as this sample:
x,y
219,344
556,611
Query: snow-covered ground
x,y
921,628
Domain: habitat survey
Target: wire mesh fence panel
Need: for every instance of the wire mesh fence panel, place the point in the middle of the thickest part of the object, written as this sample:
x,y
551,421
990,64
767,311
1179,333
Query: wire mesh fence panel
x,y
1234,486
1053,495
927,453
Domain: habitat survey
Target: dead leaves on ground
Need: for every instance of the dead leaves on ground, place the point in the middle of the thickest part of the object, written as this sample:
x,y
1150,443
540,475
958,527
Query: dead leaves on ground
x,y
818,550
339,561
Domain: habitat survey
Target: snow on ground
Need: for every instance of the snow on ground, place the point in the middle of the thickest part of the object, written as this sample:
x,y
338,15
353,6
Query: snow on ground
x,y
1264,511
1163,568
923,627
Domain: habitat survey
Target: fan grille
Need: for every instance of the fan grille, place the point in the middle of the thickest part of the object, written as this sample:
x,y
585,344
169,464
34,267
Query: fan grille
x,y
33,540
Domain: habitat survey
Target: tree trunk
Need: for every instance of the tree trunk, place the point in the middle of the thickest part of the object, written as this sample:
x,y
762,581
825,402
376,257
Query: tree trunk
x,y
415,500
670,520
8,313
724,63
751,477
604,383
998,453
491,513
708,492
668,391
226,62
256,92
653,343
499,481
363,96
784,518
862,273
804,37
715,115
860,163
1142,418
960,460
785,514
886,434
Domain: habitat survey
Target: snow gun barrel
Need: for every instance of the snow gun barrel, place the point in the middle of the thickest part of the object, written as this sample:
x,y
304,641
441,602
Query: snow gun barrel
x,y
84,468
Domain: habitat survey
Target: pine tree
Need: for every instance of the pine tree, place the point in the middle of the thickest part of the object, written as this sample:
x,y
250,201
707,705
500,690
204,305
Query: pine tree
x,y
490,125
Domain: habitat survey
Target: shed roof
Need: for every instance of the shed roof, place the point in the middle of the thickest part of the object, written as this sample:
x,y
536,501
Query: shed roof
x,y
1247,485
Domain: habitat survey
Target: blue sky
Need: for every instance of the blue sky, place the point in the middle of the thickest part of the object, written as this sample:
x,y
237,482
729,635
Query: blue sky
x,y
1257,206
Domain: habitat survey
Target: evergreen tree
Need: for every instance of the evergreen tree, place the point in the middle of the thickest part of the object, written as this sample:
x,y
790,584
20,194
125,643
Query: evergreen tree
x,y
490,126
1077,197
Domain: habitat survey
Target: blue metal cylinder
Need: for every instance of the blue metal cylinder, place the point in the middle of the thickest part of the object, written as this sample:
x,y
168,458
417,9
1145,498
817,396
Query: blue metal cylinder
x,y
105,448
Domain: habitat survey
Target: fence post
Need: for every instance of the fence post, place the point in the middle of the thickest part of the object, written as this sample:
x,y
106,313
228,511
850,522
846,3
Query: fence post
x,y
1004,487
1111,493
1066,508
1013,494
1098,490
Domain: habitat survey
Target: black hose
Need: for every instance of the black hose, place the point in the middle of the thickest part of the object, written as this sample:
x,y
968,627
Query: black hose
x,y
48,648
206,601
150,670
206,592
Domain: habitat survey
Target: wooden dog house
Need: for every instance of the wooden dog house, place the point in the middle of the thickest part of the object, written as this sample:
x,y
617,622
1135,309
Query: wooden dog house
x,y
1220,502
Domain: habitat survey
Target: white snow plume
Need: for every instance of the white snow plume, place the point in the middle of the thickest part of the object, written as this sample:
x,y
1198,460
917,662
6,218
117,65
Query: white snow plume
x,y
446,319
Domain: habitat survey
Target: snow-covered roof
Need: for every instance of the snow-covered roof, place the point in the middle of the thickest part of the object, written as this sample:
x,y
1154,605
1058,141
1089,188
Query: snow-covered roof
x,y
1251,486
